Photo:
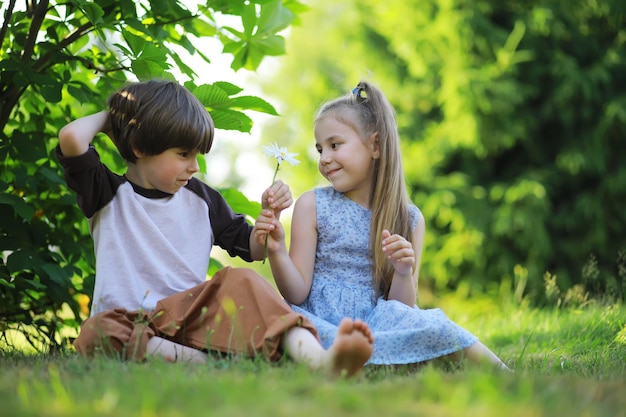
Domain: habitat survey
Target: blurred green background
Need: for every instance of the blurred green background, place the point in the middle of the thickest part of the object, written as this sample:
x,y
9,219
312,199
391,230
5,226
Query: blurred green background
x,y
512,116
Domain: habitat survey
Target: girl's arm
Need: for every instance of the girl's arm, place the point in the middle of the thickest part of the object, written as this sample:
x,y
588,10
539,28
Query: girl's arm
x,y
293,271
75,137
402,254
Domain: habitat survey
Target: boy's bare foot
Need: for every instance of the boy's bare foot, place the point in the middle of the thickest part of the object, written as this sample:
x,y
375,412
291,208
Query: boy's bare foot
x,y
353,346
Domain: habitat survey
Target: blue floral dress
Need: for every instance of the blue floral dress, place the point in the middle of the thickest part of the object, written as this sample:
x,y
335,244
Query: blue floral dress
x,y
342,287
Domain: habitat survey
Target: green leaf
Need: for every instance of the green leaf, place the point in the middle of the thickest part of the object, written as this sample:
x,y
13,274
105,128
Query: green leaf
x,y
20,79
274,18
129,10
148,69
184,68
271,45
56,274
92,11
136,43
248,19
214,267
253,58
35,284
253,103
238,34
12,65
22,209
202,163
233,7
240,203
231,89
204,57
210,95
80,93
201,27
125,51
186,43
153,53
29,148
240,58
233,47
21,260
6,283
52,93
136,25
231,120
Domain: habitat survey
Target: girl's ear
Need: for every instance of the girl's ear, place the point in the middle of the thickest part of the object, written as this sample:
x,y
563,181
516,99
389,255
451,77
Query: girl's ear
x,y
374,145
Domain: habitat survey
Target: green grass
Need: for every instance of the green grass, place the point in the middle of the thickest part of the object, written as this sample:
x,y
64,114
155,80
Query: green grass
x,y
567,363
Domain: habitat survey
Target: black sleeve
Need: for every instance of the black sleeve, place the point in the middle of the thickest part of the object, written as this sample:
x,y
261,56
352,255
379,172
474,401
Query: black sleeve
x,y
231,230
92,181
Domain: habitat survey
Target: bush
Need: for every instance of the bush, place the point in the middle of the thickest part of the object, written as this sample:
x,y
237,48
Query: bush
x,y
59,61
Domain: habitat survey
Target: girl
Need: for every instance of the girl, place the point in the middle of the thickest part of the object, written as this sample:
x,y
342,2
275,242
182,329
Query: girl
x,y
356,246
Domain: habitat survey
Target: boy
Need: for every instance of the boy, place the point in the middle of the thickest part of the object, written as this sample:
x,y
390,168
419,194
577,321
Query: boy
x,y
153,229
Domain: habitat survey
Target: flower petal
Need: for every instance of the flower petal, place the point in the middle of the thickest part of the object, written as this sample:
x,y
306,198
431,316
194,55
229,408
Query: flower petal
x,y
272,150
281,154
290,158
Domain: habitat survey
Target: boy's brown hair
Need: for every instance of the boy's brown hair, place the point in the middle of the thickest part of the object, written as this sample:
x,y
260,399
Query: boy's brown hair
x,y
153,116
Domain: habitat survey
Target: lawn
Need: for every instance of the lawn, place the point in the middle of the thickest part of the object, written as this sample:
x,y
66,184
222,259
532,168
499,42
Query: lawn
x,y
568,362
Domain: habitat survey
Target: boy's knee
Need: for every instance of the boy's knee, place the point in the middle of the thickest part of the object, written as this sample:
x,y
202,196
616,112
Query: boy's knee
x,y
115,333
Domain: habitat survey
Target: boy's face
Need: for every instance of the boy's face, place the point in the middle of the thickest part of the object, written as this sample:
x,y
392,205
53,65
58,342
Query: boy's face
x,y
168,171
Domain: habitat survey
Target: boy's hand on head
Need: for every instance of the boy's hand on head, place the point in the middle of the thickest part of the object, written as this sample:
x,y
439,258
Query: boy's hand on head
x,y
399,251
75,137
277,198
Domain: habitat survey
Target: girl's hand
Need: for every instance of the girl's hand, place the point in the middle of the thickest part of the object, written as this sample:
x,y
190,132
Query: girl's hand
x,y
277,198
267,227
399,251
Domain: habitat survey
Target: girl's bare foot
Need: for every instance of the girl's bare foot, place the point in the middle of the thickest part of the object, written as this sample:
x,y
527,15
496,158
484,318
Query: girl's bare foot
x,y
353,346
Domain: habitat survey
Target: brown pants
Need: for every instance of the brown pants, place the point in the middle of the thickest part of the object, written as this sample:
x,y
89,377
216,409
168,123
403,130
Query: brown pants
x,y
235,312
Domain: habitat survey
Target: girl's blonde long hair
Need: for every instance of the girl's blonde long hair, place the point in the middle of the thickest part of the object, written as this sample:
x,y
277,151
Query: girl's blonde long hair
x,y
368,111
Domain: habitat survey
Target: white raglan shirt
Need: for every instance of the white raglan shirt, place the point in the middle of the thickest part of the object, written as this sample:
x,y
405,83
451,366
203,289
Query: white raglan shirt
x,y
150,244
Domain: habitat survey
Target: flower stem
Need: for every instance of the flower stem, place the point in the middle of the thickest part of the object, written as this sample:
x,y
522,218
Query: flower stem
x,y
276,171
268,235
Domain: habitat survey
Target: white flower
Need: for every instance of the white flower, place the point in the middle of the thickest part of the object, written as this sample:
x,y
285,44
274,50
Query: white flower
x,y
281,154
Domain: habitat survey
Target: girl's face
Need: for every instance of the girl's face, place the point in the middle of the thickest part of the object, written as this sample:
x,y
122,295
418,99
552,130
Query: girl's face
x,y
168,171
346,160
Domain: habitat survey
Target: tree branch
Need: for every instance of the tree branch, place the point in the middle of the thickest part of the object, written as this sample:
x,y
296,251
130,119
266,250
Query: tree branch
x,y
79,32
39,14
88,64
7,18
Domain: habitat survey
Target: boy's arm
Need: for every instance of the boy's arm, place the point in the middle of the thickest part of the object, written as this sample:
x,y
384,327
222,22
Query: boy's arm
x,y
276,198
257,251
75,137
